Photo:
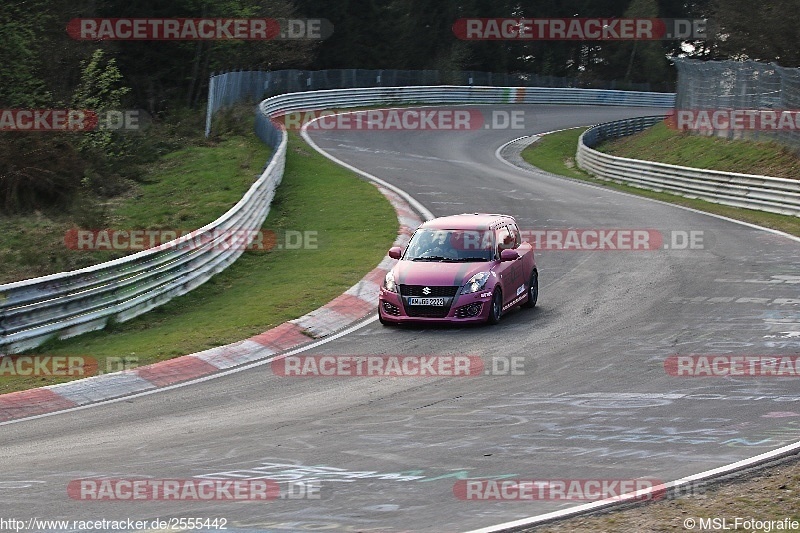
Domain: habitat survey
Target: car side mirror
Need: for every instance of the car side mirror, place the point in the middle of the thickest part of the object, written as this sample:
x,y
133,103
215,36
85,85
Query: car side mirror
x,y
509,255
395,252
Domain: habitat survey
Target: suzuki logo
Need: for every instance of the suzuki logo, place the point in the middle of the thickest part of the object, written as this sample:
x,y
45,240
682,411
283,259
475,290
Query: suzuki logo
x,y
426,291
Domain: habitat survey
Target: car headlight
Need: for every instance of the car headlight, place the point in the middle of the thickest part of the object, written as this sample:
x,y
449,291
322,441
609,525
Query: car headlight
x,y
388,282
476,283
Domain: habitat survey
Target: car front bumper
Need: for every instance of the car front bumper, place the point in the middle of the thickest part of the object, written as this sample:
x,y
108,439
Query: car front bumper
x,y
464,308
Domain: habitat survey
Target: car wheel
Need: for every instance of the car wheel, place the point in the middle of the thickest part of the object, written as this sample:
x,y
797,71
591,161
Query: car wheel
x,y
533,290
497,307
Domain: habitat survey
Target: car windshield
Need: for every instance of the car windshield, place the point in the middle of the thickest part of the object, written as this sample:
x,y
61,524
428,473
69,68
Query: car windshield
x,y
450,246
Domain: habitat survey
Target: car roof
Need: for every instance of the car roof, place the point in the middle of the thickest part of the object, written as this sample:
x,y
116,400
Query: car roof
x,y
469,221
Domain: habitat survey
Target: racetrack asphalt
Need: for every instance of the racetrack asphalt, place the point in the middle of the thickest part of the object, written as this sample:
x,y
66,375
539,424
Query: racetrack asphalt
x,y
594,401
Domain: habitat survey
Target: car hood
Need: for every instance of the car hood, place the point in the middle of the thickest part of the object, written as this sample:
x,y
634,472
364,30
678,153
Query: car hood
x,y
434,273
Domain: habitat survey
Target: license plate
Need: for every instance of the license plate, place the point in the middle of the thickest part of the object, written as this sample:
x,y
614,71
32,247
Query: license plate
x,y
426,301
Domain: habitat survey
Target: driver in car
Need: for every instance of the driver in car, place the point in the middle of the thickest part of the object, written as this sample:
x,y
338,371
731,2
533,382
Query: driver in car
x,y
438,245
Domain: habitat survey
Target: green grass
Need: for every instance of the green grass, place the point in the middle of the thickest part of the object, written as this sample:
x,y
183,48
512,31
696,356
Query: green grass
x,y
355,226
194,185
555,153
673,147
764,494
185,190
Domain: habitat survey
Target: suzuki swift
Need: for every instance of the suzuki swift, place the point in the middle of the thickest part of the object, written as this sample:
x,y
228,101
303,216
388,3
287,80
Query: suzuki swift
x,y
460,268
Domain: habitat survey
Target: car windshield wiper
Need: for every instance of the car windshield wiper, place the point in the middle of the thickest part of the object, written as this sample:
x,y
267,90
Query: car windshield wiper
x,y
465,259
431,258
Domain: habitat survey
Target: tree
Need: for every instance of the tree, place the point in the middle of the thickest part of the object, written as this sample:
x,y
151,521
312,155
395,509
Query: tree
x,y
638,61
100,90
20,60
767,32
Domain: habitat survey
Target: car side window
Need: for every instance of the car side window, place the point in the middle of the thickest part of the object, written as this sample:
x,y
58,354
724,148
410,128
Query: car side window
x,y
505,240
515,231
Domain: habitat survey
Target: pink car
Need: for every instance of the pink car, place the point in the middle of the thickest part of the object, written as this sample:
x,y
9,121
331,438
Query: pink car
x,y
460,268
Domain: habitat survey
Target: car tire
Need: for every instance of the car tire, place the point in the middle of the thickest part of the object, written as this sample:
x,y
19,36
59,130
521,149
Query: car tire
x,y
496,309
533,291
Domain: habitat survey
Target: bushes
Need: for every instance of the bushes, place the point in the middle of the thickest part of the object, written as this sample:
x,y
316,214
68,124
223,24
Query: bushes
x,y
38,170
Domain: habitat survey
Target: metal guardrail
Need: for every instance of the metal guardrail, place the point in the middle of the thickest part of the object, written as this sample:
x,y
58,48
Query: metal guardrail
x,y
450,94
70,303
763,193
227,88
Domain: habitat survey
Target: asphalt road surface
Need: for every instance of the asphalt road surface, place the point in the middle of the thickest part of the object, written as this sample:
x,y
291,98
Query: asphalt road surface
x,y
590,399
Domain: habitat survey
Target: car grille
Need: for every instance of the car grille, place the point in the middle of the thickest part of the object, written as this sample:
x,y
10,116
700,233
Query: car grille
x,y
436,291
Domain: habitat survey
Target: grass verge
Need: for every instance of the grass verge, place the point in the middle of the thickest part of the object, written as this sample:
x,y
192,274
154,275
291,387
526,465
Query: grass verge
x,y
674,147
184,190
767,494
354,226
555,153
